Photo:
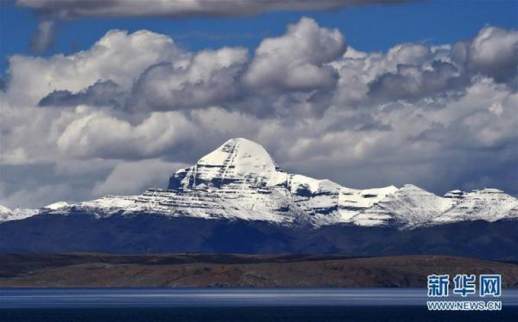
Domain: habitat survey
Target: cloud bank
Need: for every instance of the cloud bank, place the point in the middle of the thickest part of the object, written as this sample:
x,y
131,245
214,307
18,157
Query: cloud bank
x,y
175,8
122,114
52,10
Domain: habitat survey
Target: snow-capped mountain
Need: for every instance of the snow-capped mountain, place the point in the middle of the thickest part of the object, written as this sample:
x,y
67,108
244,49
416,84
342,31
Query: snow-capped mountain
x,y
409,206
240,180
7,214
486,204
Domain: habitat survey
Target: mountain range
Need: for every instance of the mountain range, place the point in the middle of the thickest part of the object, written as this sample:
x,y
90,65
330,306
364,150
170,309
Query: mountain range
x,y
238,188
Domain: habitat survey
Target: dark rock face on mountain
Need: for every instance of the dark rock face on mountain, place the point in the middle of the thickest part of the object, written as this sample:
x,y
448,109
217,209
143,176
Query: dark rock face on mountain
x,y
148,233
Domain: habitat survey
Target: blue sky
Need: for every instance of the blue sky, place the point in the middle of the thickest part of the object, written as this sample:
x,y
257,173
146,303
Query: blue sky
x,y
367,28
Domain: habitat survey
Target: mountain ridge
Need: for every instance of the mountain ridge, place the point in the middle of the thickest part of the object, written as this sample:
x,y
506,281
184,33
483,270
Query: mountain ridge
x,y
240,180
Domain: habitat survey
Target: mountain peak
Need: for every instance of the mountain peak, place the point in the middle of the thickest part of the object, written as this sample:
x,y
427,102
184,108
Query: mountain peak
x,y
238,160
244,155
411,187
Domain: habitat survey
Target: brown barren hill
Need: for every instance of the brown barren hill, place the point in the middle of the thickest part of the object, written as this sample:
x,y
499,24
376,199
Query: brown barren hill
x,y
231,270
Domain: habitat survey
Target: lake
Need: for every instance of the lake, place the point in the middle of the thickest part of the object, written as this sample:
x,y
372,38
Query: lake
x,y
304,305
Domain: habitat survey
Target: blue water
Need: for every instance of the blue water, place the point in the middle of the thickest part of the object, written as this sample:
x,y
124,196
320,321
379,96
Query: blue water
x,y
229,305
